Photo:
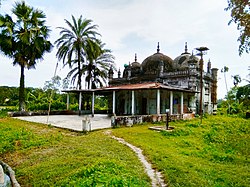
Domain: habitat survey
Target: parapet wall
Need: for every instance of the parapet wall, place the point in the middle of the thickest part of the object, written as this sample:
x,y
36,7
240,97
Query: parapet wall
x,y
137,119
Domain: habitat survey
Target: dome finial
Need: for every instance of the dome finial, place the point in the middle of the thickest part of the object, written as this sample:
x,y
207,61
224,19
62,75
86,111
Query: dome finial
x,y
135,57
158,48
186,50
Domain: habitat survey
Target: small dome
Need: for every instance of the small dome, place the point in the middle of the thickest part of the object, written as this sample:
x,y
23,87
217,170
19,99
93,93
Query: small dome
x,y
151,65
135,64
134,69
181,62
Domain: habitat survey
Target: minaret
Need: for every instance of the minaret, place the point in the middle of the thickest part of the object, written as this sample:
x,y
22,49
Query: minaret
x,y
209,66
214,87
110,74
119,73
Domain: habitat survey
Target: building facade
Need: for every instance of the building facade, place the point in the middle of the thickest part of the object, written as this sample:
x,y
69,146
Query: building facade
x,y
161,84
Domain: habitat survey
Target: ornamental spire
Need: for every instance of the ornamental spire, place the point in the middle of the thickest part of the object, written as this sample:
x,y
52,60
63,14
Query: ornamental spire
x,y
186,50
158,48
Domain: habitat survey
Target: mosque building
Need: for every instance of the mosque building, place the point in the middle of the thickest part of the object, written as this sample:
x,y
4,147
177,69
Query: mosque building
x,y
160,83
146,91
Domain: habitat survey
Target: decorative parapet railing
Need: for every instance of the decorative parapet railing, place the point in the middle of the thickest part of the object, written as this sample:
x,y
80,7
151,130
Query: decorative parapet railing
x,y
176,73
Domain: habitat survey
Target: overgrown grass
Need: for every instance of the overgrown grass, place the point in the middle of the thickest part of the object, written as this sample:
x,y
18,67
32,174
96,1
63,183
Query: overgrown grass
x,y
215,153
45,156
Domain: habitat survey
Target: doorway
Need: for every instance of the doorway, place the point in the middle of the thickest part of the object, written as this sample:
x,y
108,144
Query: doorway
x,y
144,106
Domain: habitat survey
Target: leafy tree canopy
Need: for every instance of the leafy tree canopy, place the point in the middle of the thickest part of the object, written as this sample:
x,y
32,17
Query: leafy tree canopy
x,y
240,13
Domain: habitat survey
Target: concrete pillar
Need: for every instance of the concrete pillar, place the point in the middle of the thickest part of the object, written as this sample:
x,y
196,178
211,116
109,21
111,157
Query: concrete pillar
x,y
181,102
93,104
80,102
113,102
67,101
133,103
171,103
158,109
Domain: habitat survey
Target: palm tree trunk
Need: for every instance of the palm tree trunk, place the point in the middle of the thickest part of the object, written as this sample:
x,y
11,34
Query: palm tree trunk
x,y
22,91
227,92
79,71
89,84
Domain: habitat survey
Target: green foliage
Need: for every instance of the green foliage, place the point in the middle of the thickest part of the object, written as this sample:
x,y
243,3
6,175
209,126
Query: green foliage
x,y
240,13
8,96
5,109
214,153
47,156
36,99
23,38
73,43
238,98
101,103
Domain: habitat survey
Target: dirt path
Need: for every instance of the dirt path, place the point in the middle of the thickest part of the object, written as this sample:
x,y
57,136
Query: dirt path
x,y
153,174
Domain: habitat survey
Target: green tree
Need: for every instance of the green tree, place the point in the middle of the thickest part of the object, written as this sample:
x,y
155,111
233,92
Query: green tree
x,y
243,95
99,60
240,13
237,79
73,41
24,40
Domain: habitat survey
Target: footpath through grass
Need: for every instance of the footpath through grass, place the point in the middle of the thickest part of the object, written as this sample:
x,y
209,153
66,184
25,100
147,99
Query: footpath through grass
x,y
47,156
215,153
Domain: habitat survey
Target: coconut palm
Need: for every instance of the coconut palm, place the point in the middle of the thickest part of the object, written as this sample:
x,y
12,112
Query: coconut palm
x,y
24,40
73,41
99,60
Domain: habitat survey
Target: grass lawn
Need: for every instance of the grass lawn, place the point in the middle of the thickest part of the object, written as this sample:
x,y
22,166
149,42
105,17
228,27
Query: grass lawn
x,y
215,153
46,156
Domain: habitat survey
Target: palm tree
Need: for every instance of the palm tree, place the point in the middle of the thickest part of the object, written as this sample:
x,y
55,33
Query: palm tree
x,y
24,40
237,80
73,41
99,60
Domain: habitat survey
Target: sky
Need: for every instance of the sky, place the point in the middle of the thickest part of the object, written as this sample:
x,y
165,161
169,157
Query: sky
x,y
136,26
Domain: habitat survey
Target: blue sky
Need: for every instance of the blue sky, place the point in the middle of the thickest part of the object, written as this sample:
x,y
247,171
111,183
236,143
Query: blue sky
x,y
135,26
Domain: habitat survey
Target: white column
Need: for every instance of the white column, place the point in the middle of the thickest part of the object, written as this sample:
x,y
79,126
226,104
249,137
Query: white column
x,y
171,103
67,101
93,104
80,102
133,103
113,102
181,102
158,109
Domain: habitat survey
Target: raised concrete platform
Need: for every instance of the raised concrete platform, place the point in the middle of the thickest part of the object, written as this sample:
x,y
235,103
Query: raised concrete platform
x,y
73,122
